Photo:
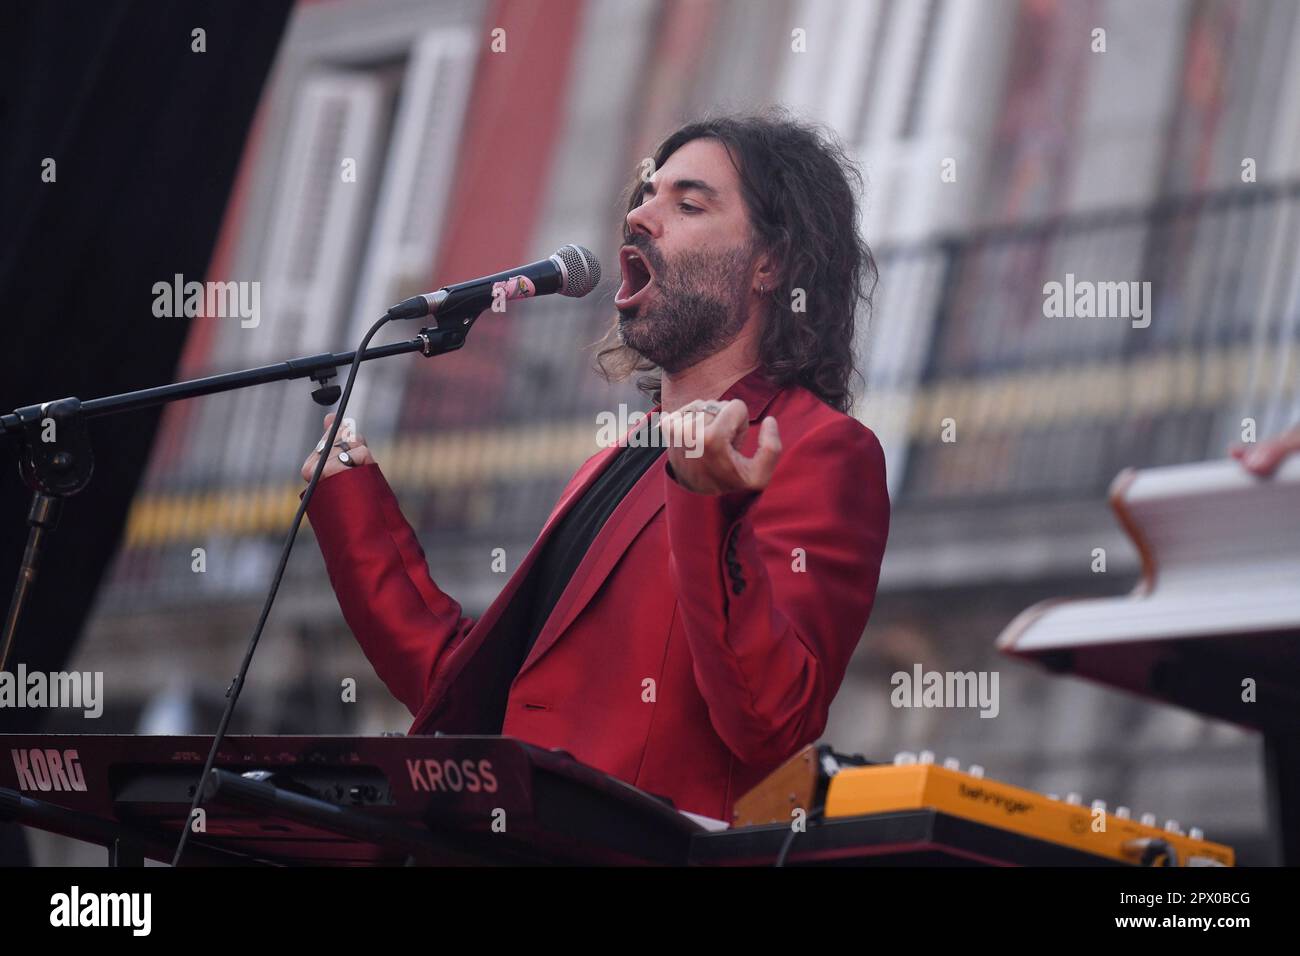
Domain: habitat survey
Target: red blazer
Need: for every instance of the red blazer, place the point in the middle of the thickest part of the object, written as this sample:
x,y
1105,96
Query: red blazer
x,y
699,642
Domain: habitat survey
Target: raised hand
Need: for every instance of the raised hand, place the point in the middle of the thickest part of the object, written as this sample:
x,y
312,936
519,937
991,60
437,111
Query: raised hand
x,y
703,447
349,450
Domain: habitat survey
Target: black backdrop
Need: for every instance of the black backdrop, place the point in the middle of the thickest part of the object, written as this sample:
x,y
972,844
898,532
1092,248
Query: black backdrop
x,y
147,136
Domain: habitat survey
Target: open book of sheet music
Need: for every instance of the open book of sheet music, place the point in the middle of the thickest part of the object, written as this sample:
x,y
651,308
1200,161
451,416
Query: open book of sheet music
x,y
1214,623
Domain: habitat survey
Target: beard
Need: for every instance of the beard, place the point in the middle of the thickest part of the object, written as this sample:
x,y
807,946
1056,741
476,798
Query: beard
x,y
697,307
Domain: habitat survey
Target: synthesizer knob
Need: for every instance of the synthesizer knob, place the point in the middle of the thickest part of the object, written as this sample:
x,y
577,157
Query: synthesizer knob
x,y
927,756
1148,819
1196,833
1123,813
904,758
976,770
1099,805
951,763
1171,826
1073,798
1053,796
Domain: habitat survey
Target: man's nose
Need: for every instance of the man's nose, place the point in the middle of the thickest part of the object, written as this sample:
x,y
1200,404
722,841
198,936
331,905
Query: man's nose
x,y
642,219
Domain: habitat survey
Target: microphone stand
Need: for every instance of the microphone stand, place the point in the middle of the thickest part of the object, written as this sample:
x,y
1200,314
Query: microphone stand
x,y
56,462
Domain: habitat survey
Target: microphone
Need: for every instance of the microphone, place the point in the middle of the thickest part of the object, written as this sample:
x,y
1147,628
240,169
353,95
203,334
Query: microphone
x,y
572,271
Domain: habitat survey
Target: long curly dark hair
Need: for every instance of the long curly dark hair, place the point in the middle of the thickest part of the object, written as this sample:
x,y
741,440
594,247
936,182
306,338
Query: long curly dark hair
x,y
800,191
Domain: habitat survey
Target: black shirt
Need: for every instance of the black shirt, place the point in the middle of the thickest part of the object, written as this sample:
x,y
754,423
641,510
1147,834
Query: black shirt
x,y
572,537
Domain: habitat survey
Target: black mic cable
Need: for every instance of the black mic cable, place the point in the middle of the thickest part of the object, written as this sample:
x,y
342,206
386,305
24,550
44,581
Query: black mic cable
x,y
232,692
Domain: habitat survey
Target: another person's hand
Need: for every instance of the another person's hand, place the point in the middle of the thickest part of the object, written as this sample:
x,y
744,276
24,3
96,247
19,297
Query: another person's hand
x,y
1263,458
349,450
703,440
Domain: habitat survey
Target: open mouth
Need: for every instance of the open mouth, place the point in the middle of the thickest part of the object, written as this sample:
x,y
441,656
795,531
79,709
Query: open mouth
x,y
637,278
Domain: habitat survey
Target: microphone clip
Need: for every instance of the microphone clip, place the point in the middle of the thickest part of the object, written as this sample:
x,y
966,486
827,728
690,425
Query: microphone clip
x,y
325,393
438,341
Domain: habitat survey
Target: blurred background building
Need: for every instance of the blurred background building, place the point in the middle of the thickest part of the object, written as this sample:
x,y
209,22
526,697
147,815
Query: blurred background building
x,y
1005,143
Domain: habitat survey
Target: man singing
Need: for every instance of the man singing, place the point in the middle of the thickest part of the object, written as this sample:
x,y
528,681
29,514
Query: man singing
x,y
687,613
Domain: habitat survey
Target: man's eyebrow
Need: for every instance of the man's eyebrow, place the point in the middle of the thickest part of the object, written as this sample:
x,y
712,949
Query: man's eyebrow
x,y
682,185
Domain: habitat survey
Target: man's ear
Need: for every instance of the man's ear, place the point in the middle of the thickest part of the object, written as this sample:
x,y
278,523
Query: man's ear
x,y
767,271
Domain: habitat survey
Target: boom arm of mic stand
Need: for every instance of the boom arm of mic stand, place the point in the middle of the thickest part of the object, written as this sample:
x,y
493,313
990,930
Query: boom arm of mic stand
x,y
429,342
61,467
